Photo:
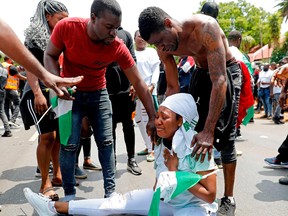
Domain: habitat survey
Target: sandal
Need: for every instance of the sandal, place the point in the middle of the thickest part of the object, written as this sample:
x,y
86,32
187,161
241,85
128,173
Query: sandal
x,y
52,197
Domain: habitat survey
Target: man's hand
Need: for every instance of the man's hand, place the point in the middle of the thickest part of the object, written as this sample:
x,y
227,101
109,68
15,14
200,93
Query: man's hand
x,y
202,143
151,130
40,104
67,94
55,82
132,93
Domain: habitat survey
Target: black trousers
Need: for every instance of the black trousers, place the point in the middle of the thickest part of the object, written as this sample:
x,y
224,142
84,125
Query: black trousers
x,y
122,108
283,151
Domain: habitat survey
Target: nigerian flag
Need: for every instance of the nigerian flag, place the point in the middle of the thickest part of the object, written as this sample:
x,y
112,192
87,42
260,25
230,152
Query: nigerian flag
x,y
63,111
171,184
249,115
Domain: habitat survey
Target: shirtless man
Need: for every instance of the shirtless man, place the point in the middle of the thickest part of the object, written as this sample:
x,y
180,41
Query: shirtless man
x,y
215,84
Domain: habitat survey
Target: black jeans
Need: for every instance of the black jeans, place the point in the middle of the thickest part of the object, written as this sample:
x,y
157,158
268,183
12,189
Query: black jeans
x,y
283,151
122,108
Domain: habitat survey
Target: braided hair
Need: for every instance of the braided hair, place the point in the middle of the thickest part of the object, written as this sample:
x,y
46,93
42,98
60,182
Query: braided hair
x,y
38,32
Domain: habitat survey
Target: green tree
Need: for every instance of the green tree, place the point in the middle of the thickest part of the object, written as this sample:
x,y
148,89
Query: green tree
x,y
258,27
283,8
275,21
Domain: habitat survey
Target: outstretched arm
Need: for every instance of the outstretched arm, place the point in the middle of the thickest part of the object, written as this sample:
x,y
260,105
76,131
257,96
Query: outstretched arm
x,y
12,46
143,93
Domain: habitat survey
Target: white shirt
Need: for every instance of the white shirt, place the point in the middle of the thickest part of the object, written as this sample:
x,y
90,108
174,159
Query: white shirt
x,y
265,76
148,64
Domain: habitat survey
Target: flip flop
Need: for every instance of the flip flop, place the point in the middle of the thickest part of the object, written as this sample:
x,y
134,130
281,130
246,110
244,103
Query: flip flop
x,y
52,197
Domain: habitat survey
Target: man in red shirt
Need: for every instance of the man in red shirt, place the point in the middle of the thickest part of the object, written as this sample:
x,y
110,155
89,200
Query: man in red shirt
x,y
89,46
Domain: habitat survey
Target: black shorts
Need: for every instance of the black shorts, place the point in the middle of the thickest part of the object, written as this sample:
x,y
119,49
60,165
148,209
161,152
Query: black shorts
x,y
225,130
30,117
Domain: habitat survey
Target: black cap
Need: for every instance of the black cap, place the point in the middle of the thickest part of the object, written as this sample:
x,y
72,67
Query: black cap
x,y
210,9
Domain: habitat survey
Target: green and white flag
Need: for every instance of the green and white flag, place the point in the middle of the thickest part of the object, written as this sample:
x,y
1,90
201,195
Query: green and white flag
x,y
249,115
171,184
63,111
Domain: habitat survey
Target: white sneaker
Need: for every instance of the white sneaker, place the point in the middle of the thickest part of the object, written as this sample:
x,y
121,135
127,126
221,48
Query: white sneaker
x,y
13,125
39,202
239,153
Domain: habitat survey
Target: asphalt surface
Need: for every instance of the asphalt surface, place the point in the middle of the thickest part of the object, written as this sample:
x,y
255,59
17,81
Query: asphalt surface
x,y
257,191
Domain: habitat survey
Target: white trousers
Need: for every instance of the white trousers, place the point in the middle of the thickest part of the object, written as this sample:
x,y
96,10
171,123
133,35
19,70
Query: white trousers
x,y
136,202
141,118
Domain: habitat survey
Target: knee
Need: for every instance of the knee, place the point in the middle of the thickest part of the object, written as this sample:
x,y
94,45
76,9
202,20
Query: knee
x,y
70,147
47,139
106,144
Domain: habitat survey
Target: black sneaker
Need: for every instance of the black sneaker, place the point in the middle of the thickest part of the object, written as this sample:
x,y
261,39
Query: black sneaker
x,y
133,167
7,134
226,208
38,173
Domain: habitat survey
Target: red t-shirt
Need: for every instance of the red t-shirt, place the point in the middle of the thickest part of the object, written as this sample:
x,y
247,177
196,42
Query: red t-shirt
x,y
82,56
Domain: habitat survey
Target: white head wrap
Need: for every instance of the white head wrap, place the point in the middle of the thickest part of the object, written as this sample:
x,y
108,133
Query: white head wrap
x,y
184,105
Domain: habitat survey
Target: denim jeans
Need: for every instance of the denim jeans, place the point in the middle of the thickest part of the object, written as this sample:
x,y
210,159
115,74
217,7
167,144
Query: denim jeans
x,y
12,96
2,113
265,97
97,107
276,106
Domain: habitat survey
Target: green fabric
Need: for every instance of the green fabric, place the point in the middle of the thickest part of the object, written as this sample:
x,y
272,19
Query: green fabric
x,y
249,115
171,184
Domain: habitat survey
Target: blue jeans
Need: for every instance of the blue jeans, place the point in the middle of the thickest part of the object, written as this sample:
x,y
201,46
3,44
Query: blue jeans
x,y
265,97
12,96
97,107
3,116
276,106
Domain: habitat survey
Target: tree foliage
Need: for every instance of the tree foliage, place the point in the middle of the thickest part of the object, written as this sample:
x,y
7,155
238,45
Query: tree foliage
x,y
258,27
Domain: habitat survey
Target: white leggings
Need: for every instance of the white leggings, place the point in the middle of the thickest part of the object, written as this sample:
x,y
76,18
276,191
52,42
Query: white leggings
x,y
141,119
136,202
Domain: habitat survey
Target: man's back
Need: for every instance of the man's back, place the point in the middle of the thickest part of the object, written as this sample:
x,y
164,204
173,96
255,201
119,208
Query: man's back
x,y
202,35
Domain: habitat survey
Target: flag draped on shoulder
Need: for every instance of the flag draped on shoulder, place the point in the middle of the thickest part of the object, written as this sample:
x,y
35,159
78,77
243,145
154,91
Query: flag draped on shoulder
x,y
63,111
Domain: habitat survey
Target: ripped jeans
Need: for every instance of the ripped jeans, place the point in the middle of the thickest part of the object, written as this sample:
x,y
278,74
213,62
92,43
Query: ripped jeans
x,y
97,107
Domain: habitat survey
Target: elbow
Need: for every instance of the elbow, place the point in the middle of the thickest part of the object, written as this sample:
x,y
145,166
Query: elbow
x,y
172,89
211,198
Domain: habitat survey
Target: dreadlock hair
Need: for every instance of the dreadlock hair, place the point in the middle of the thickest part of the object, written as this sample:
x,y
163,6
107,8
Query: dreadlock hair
x,y
151,20
99,6
38,32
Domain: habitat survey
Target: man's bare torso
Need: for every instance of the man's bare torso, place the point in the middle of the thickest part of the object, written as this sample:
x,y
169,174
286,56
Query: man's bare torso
x,y
201,36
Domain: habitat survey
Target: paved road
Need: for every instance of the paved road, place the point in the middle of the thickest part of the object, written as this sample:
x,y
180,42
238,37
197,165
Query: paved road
x,y
257,191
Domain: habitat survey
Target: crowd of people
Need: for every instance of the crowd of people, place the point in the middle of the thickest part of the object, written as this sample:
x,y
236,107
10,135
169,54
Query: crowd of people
x,y
191,106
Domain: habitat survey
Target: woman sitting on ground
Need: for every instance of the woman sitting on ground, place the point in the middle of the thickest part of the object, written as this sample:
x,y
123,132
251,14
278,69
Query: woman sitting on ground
x,y
175,122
